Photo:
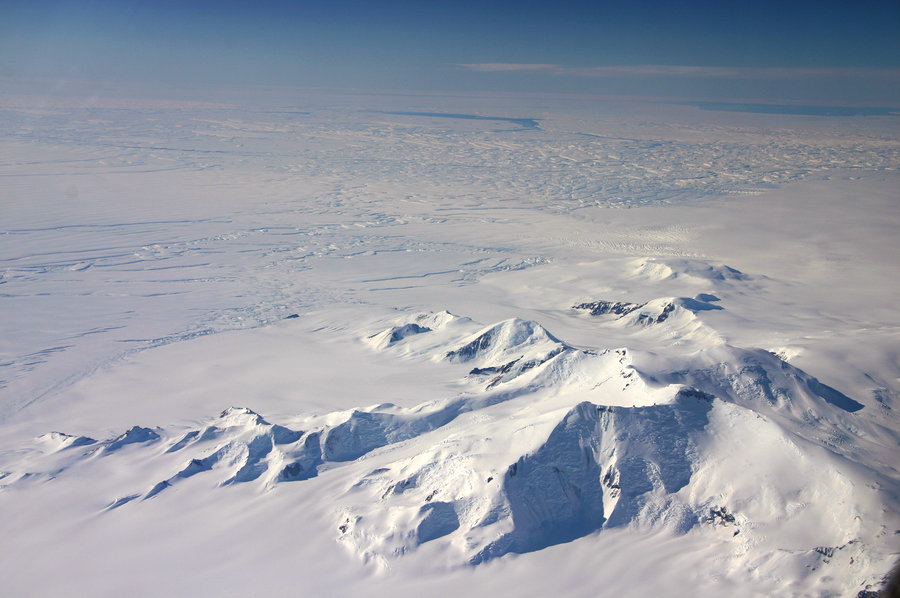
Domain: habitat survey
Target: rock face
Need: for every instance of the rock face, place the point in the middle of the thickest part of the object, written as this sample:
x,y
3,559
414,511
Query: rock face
x,y
652,312
546,444
600,466
601,308
504,339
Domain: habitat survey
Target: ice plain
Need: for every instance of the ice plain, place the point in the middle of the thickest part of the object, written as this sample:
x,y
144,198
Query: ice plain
x,y
331,344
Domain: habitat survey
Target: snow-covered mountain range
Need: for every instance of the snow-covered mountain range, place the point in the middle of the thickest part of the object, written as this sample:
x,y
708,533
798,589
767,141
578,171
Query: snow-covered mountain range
x,y
546,443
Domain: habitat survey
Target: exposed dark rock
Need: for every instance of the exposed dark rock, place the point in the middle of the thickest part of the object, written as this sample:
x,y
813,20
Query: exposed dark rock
x,y
599,308
611,478
468,351
621,309
696,394
504,336
662,317
292,471
344,526
826,551
719,516
523,367
493,369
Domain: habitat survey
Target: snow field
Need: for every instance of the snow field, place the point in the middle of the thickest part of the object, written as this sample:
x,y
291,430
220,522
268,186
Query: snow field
x,y
409,327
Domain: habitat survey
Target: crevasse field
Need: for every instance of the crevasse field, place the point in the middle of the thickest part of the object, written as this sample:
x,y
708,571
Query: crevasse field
x,y
361,345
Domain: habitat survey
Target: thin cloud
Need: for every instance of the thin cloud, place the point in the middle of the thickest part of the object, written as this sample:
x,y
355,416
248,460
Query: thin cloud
x,y
497,67
685,71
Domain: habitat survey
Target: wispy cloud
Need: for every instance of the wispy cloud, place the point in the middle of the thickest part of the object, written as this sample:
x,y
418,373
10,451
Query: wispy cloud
x,y
685,71
496,67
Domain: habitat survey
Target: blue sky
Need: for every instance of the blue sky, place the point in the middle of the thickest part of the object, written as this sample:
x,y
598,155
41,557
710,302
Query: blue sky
x,y
776,51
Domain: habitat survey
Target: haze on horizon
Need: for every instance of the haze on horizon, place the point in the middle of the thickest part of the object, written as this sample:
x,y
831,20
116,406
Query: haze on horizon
x,y
823,52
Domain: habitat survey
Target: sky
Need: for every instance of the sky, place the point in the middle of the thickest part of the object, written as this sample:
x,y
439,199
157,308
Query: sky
x,y
828,52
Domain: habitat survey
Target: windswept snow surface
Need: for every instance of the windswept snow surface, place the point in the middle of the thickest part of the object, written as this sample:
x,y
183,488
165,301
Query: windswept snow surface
x,y
344,345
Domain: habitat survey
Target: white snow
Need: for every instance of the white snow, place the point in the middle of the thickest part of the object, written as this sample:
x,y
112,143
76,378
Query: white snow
x,y
321,342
